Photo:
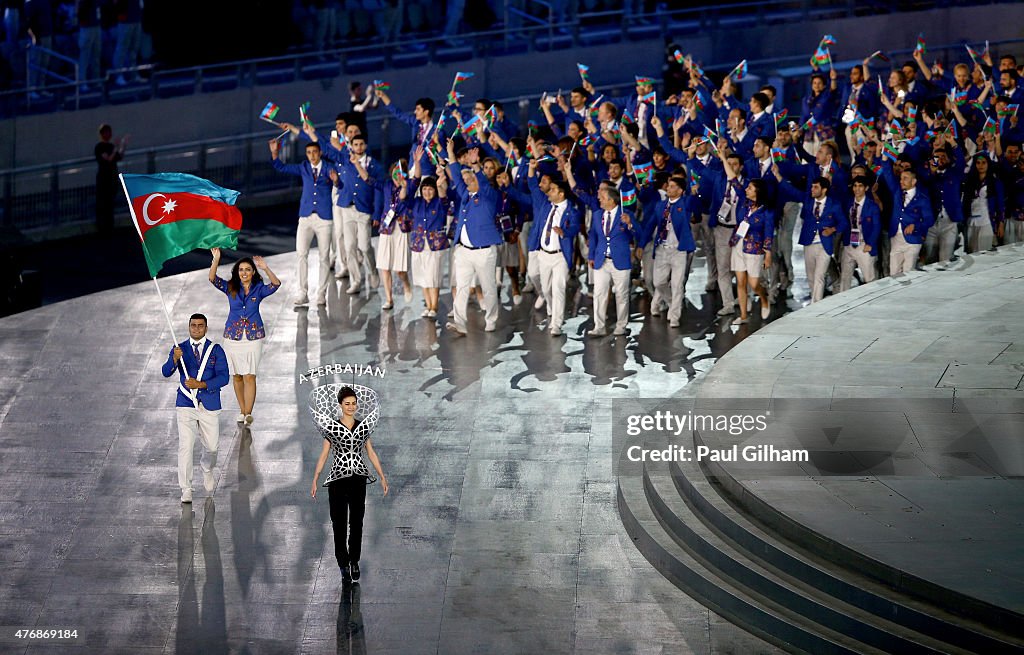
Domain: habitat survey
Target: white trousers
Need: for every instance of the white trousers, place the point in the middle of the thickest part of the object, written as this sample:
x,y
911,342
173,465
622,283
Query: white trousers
x,y
980,237
670,271
610,279
338,242
707,235
647,267
816,262
902,255
723,260
941,239
480,264
357,240
780,273
533,270
554,275
856,257
205,424
309,227
1013,231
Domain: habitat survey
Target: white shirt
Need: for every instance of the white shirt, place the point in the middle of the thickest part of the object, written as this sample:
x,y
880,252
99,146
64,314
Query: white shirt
x,y
549,238
766,164
316,170
819,209
908,195
756,116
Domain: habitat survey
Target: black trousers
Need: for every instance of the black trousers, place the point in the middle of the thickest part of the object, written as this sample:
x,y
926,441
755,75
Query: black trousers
x,y
348,503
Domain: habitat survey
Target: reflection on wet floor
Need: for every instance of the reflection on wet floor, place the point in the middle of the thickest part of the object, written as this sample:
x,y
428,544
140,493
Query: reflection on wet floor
x,y
401,338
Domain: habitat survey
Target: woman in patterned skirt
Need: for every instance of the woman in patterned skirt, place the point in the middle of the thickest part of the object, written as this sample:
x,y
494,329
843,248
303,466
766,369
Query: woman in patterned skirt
x,y
346,483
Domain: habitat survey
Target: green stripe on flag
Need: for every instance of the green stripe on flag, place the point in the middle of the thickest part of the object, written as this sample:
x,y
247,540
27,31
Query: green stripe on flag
x,y
169,240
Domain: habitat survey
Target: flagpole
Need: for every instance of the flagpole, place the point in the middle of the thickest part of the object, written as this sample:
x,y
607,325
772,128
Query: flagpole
x,y
163,306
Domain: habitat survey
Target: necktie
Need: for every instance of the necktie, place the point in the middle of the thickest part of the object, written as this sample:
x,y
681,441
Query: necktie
x,y
607,223
663,230
195,351
422,135
549,225
316,174
853,217
905,193
817,209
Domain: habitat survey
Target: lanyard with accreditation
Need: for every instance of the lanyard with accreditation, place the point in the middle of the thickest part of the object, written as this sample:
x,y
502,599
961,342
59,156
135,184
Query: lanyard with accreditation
x,y
193,394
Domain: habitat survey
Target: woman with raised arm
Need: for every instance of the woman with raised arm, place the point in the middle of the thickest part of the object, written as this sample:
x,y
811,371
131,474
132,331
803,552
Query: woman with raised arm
x,y
244,332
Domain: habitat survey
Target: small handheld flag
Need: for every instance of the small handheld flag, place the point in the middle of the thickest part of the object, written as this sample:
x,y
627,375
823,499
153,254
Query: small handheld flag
x,y
643,171
462,77
304,113
679,57
920,48
648,97
269,113
820,57
828,39
778,155
381,85
889,152
991,126
780,118
1011,110
453,97
878,54
740,71
627,196
911,114
811,122
584,71
643,80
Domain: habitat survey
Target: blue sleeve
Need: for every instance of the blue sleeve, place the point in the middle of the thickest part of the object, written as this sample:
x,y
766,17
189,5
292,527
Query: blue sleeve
x,y
522,199
458,186
220,370
169,366
408,119
290,169
267,289
674,154
588,200
221,285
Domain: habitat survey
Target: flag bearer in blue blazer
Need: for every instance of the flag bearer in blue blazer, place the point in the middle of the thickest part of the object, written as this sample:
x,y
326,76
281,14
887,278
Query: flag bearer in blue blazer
x,y
860,237
315,214
476,243
668,228
202,370
610,253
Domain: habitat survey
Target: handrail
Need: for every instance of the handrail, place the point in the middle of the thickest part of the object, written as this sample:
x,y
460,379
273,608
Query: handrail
x,y
482,39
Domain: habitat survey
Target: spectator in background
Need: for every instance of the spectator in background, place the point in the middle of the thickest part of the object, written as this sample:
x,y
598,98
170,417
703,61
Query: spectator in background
x,y
453,16
39,24
129,35
65,32
12,25
387,18
107,155
323,19
89,39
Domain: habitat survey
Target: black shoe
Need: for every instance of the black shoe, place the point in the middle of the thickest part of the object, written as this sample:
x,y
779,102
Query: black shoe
x,y
355,571
345,576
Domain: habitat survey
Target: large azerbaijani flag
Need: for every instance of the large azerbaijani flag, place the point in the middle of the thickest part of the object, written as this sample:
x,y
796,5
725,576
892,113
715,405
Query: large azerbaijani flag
x,y
176,213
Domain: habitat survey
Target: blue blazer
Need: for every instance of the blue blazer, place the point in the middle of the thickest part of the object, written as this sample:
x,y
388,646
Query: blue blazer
x,y
944,188
620,237
679,213
831,216
719,184
477,215
316,195
354,190
870,225
414,126
215,375
570,224
868,103
917,213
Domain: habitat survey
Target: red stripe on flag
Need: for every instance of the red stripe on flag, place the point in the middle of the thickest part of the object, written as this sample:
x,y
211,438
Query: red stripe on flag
x,y
161,208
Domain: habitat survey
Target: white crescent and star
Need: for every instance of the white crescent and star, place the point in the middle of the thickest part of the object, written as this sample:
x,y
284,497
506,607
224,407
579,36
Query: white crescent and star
x,y
168,207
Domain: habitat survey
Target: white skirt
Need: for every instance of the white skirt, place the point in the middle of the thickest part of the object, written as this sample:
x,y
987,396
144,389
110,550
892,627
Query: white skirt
x,y
426,268
393,251
243,355
742,261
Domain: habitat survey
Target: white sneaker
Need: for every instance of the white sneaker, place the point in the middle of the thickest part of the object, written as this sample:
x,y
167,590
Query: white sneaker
x,y
186,496
739,320
455,329
425,314
726,311
766,311
340,274
208,480
301,301
352,289
674,323
556,331
597,333
431,313
240,419
539,303
619,331
249,419
517,299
